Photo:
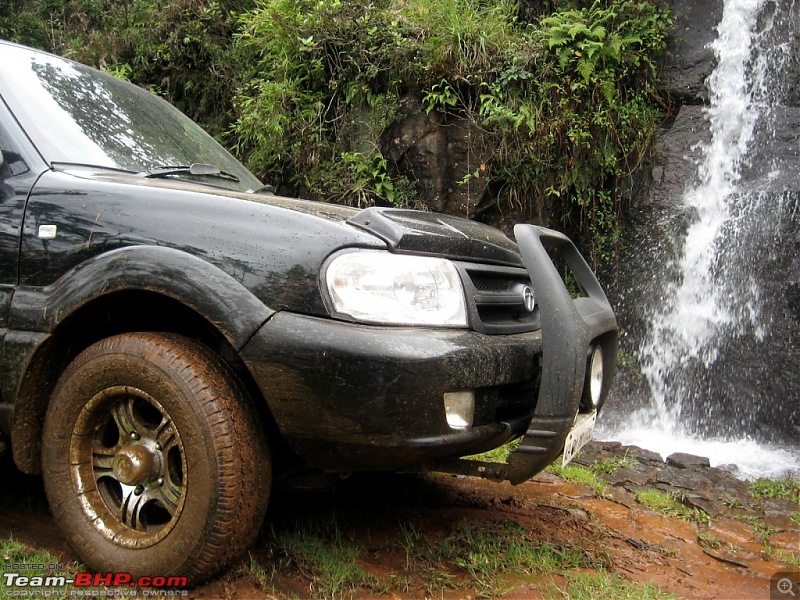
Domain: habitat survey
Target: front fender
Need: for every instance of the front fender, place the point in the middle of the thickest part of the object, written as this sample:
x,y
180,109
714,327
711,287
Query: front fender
x,y
195,283
36,313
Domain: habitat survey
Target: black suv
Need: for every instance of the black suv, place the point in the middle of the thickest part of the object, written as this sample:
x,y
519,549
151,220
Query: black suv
x,y
174,335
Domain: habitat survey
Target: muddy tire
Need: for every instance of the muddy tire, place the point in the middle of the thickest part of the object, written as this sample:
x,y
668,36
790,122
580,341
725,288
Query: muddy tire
x,y
153,461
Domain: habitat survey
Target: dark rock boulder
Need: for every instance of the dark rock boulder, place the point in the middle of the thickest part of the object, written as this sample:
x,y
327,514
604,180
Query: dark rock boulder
x,y
682,460
773,163
676,154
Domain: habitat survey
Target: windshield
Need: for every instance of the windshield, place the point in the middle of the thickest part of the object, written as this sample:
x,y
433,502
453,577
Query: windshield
x,y
75,114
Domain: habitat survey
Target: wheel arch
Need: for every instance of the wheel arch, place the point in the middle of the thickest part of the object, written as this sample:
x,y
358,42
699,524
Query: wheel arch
x,y
136,289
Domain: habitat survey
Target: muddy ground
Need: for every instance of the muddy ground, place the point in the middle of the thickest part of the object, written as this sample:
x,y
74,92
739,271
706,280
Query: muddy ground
x,y
727,544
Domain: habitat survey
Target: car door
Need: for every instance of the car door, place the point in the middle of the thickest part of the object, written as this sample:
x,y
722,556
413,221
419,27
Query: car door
x,y
17,177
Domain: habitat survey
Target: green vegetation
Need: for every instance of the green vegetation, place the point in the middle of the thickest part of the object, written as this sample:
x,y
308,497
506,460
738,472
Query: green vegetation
x,y
21,22
489,551
763,531
484,558
181,49
498,455
708,539
781,555
786,488
495,556
555,110
589,586
579,474
320,552
263,574
15,552
731,502
670,505
560,108
609,466
591,475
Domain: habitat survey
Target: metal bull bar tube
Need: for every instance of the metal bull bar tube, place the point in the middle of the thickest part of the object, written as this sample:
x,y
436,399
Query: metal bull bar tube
x,y
570,328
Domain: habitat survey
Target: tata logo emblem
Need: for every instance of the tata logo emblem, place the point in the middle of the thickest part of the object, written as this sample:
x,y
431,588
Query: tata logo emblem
x,y
527,298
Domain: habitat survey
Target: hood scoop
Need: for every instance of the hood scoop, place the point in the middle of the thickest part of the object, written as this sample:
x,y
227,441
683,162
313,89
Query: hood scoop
x,y
438,234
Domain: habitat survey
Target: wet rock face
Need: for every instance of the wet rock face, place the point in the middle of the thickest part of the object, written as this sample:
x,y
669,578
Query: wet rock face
x,y
689,59
677,152
439,152
682,460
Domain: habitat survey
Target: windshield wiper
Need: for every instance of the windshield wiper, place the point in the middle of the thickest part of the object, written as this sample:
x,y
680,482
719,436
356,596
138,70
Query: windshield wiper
x,y
61,165
193,169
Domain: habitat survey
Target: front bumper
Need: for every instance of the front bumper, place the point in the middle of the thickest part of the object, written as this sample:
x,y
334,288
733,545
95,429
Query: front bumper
x,y
355,397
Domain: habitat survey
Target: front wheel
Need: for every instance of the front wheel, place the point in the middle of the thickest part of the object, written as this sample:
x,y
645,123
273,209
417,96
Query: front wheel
x,y
153,461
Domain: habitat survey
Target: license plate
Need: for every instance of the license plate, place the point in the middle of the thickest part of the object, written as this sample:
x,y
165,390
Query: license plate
x,y
579,436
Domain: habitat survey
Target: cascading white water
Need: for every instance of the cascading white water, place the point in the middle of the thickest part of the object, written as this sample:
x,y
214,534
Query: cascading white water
x,y
698,308
715,300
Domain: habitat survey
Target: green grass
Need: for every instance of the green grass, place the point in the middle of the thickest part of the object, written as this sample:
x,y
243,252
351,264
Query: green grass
x,y
708,540
670,505
498,455
731,502
479,559
591,586
18,553
15,552
263,574
609,466
787,488
780,555
321,553
581,475
764,532
487,557
757,525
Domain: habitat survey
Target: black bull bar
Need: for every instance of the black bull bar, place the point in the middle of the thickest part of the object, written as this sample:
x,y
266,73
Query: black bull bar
x,y
570,327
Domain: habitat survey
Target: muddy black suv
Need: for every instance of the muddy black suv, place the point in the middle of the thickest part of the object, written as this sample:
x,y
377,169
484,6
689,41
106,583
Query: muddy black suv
x,y
174,335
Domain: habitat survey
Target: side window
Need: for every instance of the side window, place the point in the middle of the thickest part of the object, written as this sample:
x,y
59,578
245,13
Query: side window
x,y
11,163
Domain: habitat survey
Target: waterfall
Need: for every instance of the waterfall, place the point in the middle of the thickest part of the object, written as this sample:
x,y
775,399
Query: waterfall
x,y
687,326
710,347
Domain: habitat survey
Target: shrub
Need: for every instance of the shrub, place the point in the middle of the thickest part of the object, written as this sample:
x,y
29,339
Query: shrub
x,y
564,105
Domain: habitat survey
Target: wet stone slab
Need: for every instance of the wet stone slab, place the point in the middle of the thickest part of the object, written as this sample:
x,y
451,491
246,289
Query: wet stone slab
x,y
715,491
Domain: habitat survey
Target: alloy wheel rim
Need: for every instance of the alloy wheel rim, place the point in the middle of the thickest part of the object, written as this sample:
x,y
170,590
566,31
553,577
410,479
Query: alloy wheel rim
x,y
128,464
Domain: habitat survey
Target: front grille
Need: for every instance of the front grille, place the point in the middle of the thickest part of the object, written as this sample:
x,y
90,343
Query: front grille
x,y
489,282
495,299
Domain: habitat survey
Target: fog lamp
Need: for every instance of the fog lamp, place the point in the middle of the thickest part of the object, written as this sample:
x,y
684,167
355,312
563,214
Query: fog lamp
x,y
459,407
593,388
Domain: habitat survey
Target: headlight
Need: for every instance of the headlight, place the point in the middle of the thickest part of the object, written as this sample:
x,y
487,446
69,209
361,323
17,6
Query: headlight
x,y
380,287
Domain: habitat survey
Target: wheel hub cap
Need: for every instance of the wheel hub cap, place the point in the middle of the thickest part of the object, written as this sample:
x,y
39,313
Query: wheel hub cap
x,y
135,465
